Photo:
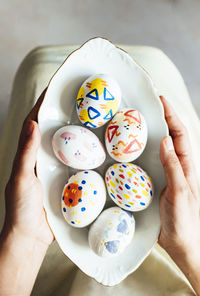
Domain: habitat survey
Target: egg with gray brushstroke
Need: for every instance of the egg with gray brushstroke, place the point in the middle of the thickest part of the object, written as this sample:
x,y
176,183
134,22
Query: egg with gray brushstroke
x,y
112,232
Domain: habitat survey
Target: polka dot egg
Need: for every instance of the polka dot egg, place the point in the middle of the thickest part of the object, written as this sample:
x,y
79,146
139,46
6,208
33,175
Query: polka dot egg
x,y
98,100
83,198
129,186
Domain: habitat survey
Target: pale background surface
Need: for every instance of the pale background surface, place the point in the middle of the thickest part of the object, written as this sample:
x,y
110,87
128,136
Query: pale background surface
x,y
172,25
158,275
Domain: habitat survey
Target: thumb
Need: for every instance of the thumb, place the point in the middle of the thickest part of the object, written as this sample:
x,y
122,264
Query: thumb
x,y
25,159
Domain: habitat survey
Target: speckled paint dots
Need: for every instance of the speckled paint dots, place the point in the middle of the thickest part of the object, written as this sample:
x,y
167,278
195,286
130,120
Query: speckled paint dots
x,y
129,186
83,198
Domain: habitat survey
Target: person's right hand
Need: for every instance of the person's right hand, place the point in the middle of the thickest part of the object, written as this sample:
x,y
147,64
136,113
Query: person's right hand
x,y
179,201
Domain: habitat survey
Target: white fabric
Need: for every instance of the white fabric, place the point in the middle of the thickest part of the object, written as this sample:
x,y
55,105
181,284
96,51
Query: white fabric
x,y
158,275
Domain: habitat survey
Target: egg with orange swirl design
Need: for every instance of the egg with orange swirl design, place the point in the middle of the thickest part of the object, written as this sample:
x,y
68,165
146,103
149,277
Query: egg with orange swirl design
x,y
126,135
83,198
129,186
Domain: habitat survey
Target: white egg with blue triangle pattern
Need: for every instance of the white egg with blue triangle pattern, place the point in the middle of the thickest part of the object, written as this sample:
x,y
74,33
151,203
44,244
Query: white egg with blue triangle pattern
x,y
98,100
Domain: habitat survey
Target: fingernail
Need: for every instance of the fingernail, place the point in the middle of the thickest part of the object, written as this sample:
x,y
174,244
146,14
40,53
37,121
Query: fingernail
x,y
29,128
168,143
162,98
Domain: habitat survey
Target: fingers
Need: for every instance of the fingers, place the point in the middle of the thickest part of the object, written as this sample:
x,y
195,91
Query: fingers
x,y
29,141
173,170
24,162
181,144
34,112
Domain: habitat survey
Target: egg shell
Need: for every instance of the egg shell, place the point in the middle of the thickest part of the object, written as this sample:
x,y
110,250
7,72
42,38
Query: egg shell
x,y
129,186
98,100
112,232
83,198
78,147
126,135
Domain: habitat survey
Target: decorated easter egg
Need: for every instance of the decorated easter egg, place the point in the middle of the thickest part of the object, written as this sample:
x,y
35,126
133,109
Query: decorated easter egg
x,y
112,232
98,100
78,147
129,186
83,198
126,135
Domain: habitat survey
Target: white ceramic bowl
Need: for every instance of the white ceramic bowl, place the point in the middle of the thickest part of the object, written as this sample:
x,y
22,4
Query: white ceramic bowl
x,y
58,109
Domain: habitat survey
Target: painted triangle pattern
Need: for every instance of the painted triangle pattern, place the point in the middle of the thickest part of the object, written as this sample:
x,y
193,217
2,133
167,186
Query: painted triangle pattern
x,y
112,131
109,115
136,115
107,95
133,147
93,113
89,124
93,94
79,101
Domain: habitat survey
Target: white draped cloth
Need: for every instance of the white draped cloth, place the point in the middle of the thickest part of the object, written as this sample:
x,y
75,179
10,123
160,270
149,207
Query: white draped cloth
x,y
157,275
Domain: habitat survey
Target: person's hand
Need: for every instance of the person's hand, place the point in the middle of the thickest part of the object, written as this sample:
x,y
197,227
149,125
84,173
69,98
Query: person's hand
x,y
25,215
179,201
26,234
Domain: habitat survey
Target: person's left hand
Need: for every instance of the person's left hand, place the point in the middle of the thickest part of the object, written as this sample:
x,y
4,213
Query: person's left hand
x,y
25,215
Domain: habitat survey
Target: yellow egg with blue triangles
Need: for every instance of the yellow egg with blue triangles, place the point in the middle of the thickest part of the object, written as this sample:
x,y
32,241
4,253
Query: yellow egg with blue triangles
x,y
98,100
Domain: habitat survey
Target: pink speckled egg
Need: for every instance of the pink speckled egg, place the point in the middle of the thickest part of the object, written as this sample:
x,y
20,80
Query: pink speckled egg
x,y
78,147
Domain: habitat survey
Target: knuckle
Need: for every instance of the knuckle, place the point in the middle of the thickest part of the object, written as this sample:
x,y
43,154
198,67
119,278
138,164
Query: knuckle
x,y
184,129
179,191
181,132
16,180
171,161
169,116
172,158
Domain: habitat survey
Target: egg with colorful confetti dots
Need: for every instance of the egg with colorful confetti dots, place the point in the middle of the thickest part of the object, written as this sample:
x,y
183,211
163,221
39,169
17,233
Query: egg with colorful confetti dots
x,y
129,186
126,135
112,232
83,198
98,100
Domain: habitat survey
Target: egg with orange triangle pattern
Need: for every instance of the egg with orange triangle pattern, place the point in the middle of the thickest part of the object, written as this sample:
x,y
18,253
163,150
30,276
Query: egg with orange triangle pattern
x,y
126,135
